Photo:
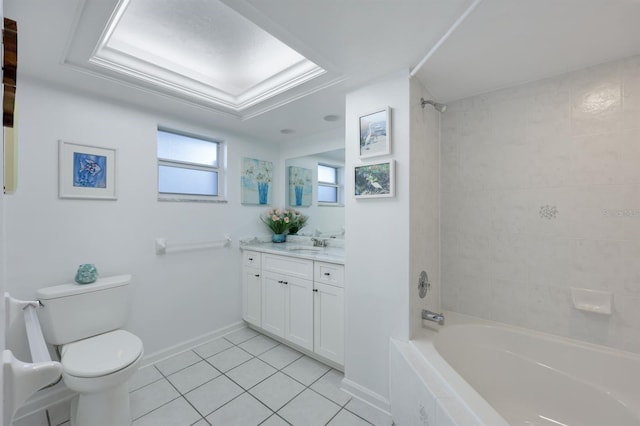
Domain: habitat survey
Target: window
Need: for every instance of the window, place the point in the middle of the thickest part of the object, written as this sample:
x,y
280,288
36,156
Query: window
x,y
188,167
328,184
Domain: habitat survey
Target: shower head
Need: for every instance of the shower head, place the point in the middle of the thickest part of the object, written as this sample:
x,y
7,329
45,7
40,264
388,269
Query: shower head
x,y
438,106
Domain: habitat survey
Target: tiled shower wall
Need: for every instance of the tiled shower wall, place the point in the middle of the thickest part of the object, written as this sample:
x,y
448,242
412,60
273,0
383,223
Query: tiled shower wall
x,y
540,192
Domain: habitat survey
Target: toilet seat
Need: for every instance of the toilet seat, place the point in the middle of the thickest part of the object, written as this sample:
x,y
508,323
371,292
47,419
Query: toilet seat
x,y
101,355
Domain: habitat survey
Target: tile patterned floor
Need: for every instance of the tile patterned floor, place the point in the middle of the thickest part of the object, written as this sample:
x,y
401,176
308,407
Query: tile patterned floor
x,y
244,379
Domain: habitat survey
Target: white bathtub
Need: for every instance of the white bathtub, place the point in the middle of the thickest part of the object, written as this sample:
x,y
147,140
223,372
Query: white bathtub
x,y
491,374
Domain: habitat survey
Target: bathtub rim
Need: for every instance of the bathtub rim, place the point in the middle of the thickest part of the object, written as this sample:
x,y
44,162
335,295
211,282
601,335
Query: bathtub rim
x,y
450,385
423,343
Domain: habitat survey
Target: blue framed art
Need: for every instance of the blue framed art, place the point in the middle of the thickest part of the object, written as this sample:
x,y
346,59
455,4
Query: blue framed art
x,y
256,181
300,186
87,171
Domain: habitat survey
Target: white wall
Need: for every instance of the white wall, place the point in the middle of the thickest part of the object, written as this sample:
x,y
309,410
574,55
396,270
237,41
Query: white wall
x,y
540,193
377,247
425,203
175,297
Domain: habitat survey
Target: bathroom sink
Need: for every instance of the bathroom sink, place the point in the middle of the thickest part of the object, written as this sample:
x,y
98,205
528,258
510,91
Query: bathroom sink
x,y
304,248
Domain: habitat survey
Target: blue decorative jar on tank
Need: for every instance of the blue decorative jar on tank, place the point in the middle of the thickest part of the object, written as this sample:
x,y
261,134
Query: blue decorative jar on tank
x,y
87,274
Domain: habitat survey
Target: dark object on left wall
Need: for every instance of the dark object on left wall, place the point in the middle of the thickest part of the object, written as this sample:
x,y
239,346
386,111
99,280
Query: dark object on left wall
x,y
9,70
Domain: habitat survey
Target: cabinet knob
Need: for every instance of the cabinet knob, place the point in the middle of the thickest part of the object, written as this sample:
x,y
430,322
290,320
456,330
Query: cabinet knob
x,y
326,274
285,283
315,290
280,282
256,275
251,258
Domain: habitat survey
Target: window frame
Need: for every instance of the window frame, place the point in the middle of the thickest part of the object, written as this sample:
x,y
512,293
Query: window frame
x,y
338,185
220,169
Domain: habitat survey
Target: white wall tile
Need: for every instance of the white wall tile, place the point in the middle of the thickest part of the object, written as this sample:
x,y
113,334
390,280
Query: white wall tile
x,y
540,192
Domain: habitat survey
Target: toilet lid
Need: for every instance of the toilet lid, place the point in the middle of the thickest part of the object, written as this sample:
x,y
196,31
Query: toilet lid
x,y
101,355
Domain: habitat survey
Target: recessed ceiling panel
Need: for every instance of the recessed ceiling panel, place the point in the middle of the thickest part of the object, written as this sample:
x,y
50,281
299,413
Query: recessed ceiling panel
x,y
201,46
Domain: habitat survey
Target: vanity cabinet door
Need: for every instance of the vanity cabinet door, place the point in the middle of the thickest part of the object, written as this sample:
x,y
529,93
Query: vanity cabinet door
x,y
328,322
273,303
252,296
299,312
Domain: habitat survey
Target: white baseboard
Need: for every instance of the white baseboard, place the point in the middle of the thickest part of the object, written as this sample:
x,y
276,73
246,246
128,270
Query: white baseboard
x,y
189,344
367,396
59,393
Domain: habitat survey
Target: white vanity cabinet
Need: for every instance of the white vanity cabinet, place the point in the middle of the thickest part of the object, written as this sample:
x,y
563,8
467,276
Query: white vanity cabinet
x,y
298,300
287,298
328,311
252,288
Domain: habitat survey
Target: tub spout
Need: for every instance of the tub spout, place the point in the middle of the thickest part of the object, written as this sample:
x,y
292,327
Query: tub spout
x,y
432,316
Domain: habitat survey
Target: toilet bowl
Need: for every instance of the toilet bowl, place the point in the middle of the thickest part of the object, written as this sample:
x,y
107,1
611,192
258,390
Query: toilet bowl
x,y
98,358
98,368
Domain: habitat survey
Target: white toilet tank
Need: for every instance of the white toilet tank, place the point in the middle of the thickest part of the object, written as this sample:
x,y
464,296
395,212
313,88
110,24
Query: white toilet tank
x,y
73,311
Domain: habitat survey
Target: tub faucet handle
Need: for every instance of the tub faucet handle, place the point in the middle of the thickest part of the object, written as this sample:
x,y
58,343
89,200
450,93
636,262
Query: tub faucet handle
x,y
432,316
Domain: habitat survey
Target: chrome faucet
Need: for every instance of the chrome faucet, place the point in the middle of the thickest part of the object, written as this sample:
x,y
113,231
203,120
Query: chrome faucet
x,y
432,316
319,242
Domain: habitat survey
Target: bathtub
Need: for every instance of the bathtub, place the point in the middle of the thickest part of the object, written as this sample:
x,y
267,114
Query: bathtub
x,y
473,372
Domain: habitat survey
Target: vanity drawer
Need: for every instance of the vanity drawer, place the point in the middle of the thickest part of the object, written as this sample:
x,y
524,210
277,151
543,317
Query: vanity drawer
x,y
292,266
329,273
251,259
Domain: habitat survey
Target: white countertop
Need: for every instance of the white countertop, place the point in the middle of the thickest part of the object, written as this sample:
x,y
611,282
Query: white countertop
x,y
302,251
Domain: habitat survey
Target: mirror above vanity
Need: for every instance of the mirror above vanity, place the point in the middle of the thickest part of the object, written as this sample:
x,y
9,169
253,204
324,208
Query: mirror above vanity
x,y
314,185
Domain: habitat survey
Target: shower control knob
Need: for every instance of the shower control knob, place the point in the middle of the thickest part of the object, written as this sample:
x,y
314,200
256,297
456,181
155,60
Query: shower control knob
x,y
423,284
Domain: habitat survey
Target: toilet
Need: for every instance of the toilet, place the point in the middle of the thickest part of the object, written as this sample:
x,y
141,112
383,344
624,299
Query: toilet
x,y
97,356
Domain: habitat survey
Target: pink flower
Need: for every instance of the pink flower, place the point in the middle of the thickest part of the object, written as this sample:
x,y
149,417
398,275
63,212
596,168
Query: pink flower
x,y
286,220
278,212
275,218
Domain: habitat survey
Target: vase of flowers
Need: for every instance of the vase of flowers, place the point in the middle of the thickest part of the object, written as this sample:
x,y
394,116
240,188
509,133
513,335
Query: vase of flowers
x,y
298,221
279,221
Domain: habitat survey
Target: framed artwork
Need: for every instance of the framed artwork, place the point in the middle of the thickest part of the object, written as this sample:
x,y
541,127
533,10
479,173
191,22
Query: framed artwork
x,y
256,181
86,171
375,180
375,133
300,186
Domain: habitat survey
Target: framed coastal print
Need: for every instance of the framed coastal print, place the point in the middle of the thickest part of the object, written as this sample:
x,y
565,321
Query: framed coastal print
x,y
375,133
375,180
86,171
300,186
256,181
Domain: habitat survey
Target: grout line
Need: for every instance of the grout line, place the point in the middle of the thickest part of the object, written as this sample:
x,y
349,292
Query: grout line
x,y
247,391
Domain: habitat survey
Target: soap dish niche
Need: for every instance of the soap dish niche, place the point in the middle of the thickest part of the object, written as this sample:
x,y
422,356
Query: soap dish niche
x,y
597,301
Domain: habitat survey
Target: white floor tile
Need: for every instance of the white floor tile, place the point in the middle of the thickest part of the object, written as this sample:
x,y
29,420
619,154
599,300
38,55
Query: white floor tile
x,y
258,344
309,409
277,390
306,370
193,376
346,418
274,420
251,373
213,347
176,413
280,356
177,362
245,410
329,386
214,394
151,397
369,413
240,336
143,377
228,359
